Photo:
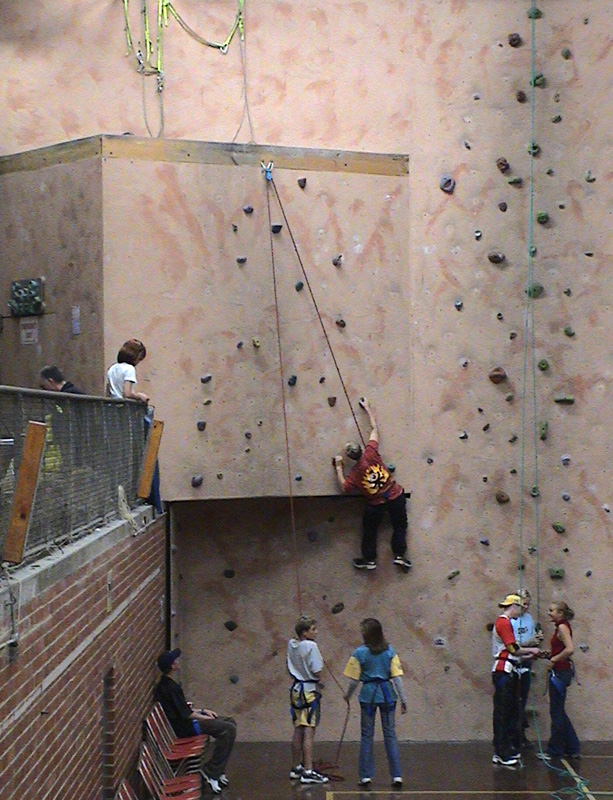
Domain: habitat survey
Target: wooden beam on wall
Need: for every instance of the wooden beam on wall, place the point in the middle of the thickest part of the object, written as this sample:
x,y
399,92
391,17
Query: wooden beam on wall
x,y
25,492
223,153
151,455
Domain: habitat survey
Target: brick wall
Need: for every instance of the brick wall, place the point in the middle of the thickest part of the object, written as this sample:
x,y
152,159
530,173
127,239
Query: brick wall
x,y
73,698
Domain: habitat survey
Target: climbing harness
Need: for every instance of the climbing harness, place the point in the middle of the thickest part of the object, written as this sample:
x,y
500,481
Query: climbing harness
x,y
299,701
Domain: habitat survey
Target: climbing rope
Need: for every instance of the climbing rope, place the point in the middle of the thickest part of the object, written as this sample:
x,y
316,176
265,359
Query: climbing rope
x,y
321,322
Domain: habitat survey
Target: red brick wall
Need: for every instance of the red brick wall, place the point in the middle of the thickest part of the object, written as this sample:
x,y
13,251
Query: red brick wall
x,y
69,640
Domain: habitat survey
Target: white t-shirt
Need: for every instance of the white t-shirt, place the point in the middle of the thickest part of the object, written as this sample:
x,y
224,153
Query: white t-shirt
x,y
524,630
304,661
116,377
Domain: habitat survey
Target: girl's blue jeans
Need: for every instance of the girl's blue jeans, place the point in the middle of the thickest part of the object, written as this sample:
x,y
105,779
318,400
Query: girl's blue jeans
x,y
366,765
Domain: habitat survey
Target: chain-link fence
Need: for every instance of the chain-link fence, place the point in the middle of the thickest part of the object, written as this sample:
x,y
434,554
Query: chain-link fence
x,y
93,446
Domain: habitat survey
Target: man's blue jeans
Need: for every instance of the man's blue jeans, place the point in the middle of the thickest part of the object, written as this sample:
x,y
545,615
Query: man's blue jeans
x,y
563,740
366,765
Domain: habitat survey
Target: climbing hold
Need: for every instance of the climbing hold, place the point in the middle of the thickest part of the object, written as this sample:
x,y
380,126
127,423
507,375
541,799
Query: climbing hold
x,y
512,335
292,380
534,13
566,53
485,542
538,80
312,536
331,401
543,430
463,435
566,497
480,410
233,678
502,164
467,145
497,375
565,459
532,250
248,209
535,289
247,434
534,149
340,322
247,449
499,316
197,481
337,608
521,96
239,345
485,478
515,39
478,234
513,471
564,399
447,184
255,342
219,476
513,438
543,365
337,260
589,177
322,379
230,625
517,181
485,429
201,425
550,171
558,527
234,227
276,228
503,207
476,96
299,286
260,422
556,119
532,549
207,402
463,363
241,260
509,397
459,305
206,378
588,253
585,647
301,182
440,641
430,460
495,257
446,668
228,573
502,497
556,573
534,492
453,574
298,478
391,467
542,217
568,291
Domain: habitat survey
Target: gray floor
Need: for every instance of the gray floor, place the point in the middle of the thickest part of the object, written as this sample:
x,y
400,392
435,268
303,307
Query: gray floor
x,y
431,772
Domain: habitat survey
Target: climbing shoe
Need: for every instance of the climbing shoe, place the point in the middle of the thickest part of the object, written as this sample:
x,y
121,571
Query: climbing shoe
x,y
296,772
361,563
310,776
403,562
505,762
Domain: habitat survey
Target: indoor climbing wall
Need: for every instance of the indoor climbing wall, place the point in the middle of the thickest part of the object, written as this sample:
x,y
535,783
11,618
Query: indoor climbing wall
x,y
475,297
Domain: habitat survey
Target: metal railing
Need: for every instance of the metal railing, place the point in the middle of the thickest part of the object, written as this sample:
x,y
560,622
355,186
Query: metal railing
x,y
93,446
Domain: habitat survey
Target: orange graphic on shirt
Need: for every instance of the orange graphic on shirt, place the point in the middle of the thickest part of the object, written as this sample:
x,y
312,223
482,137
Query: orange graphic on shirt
x,y
375,478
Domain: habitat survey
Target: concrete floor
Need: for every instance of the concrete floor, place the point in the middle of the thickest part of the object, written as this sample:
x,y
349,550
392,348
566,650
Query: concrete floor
x,y
442,771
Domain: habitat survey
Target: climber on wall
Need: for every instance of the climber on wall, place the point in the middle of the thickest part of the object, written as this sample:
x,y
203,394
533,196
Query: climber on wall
x,y
372,478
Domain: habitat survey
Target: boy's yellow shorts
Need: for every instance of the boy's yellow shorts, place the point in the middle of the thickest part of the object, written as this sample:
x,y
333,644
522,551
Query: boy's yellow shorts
x,y
308,716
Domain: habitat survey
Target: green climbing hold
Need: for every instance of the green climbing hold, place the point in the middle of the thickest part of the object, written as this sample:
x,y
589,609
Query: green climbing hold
x,y
543,365
542,218
558,527
543,430
233,678
568,331
534,13
566,53
534,149
534,492
299,286
391,467
292,380
532,250
556,119
516,181
564,399
453,574
535,289
556,573
538,80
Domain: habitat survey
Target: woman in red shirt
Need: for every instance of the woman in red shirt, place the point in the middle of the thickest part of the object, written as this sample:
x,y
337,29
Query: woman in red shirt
x,y
563,740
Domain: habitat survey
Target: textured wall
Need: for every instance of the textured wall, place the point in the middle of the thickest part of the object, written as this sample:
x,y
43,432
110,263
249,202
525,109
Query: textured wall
x,y
51,226
437,80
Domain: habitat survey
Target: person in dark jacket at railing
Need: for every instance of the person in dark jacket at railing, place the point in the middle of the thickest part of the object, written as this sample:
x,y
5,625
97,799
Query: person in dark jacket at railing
x,y
52,379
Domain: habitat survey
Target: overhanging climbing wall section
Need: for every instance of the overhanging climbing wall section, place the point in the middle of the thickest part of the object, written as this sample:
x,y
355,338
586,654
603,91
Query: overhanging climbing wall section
x,y
188,266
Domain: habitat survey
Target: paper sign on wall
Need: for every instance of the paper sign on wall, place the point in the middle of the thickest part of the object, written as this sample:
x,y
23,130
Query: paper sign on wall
x,y
28,330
